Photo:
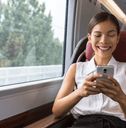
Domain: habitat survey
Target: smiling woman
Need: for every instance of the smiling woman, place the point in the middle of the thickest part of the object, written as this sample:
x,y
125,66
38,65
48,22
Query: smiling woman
x,y
104,41
95,100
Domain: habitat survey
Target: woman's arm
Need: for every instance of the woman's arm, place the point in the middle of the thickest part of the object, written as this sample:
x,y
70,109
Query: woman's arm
x,y
66,97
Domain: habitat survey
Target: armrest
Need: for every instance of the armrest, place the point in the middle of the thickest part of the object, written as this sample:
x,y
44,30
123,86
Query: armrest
x,y
51,122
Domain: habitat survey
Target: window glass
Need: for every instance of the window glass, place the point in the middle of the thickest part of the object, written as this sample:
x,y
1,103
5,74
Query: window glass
x,y
31,40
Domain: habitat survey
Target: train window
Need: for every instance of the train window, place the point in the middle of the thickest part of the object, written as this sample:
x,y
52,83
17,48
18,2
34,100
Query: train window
x,y
31,40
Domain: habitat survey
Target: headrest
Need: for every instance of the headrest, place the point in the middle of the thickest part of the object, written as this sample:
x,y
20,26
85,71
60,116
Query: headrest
x,y
119,53
89,51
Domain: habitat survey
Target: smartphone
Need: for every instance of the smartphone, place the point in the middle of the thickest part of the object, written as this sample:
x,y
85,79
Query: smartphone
x,y
106,71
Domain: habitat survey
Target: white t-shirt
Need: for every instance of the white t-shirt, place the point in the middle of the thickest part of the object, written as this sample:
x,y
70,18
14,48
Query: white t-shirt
x,y
99,103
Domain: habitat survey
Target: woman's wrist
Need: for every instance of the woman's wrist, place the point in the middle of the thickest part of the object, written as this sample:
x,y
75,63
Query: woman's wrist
x,y
78,93
122,100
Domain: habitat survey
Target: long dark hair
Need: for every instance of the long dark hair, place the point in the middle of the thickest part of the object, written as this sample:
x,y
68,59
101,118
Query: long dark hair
x,y
101,17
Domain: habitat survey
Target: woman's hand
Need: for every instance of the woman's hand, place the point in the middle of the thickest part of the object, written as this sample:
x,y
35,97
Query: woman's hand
x,y
111,88
89,85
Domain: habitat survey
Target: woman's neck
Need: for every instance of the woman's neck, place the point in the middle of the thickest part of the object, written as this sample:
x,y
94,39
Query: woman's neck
x,y
102,60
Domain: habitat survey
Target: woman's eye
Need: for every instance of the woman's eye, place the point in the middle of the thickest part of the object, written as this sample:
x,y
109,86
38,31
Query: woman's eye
x,y
111,35
97,35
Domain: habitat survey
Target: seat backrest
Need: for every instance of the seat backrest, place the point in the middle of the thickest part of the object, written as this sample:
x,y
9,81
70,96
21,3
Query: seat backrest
x,y
79,49
120,52
87,52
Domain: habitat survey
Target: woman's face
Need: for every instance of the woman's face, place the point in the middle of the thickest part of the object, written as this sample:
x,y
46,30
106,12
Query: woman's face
x,y
104,39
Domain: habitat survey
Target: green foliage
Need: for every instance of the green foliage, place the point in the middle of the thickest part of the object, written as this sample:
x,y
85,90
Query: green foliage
x,y
26,35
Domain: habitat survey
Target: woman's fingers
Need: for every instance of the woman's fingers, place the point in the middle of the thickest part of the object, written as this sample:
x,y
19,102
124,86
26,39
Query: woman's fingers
x,y
93,76
89,88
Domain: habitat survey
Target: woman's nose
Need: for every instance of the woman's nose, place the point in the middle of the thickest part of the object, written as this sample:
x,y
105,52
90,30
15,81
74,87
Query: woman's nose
x,y
103,39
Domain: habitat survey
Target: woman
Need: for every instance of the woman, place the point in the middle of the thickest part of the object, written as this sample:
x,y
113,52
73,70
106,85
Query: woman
x,y
102,102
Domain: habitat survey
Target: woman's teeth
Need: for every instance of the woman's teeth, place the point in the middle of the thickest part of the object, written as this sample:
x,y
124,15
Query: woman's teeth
x,y
104,48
